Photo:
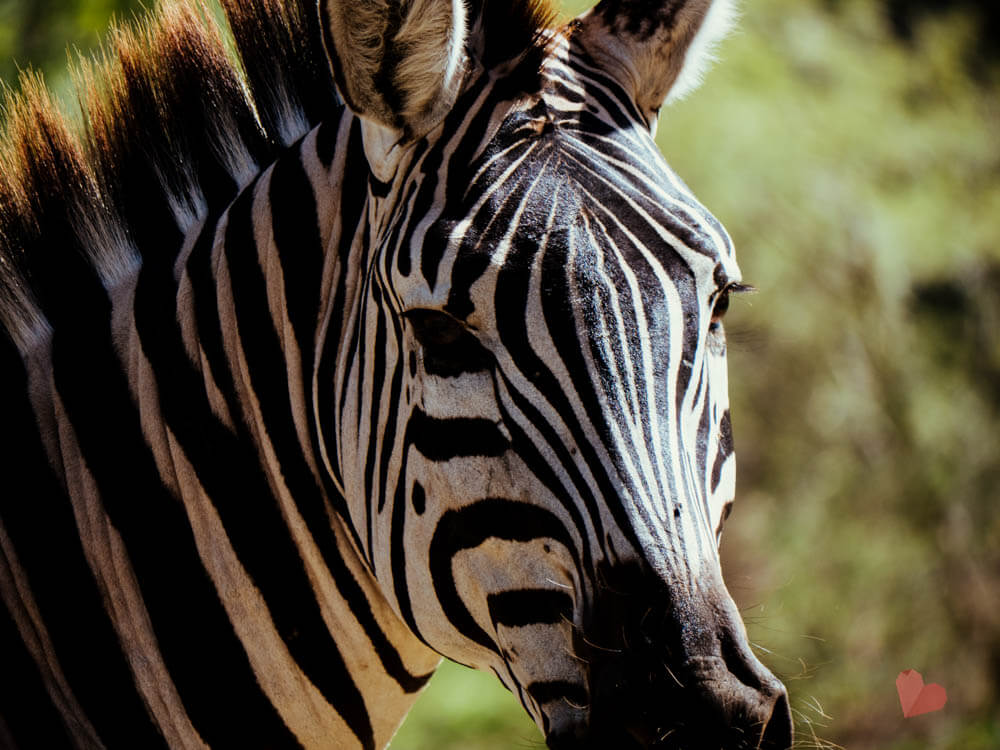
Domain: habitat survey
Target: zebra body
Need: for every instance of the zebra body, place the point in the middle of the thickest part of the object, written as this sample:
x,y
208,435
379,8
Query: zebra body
x,y
433,367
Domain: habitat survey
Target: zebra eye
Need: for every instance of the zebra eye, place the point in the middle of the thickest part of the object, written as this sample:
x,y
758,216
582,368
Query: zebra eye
x,y
435,329
449,348
722,303
720,308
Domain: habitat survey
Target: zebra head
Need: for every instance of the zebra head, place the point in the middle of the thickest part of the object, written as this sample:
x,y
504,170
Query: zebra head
x,y
532,426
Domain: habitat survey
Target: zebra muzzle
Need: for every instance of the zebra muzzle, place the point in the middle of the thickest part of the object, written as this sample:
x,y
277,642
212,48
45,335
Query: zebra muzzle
x,y
672,672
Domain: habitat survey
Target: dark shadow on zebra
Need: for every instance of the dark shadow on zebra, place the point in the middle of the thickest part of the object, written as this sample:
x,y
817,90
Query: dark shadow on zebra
x,y
393,338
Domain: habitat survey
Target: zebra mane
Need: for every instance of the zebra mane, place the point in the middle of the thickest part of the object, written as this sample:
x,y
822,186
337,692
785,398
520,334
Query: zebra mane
x,y
175,116
172,116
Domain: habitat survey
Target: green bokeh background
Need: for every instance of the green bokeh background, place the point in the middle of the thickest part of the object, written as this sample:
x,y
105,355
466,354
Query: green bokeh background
x,y
858,169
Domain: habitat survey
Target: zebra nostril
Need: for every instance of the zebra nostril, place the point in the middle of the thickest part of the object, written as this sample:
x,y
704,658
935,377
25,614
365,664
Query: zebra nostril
x,y
778,733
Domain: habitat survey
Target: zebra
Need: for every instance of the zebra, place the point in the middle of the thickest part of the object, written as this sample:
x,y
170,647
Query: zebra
x,y
353,335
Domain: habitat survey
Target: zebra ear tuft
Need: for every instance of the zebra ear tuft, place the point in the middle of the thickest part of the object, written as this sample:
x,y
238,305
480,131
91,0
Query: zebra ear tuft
x,y
399,63
657,50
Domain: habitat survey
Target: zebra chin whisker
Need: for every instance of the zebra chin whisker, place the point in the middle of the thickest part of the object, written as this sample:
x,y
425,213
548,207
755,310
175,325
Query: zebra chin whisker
x,y
577,706
670,672
572,654
596,647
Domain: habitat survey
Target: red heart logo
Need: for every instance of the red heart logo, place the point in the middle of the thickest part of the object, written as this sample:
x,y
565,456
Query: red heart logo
x,y
917,698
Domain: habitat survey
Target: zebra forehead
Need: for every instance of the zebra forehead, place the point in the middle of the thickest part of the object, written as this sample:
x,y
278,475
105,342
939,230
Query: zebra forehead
x,y
564,193
558,163
564,198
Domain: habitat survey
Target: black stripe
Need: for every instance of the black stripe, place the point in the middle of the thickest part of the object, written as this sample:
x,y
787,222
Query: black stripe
x,y
530,607
230,471
42,527
398,550
419,498
211,448
489,227
651,299
610,365
612,98
31,718
300,246
424,203
444,439
682,217
88,377
295,226
378,188
467,528
545,472
403,227
351,211
725,449
704,425
374,383
399,547
355,355
511,299
296,234
202,654
326,140
200,270
392,409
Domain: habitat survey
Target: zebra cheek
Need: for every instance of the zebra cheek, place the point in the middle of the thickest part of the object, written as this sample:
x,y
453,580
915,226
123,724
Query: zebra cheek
x,y
523,594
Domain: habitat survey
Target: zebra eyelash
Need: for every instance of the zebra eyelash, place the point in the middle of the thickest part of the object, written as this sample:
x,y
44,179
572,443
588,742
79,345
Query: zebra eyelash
x,y
721,304
742,335
741,288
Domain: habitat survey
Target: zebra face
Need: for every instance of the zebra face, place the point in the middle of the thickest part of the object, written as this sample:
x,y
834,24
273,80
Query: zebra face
x,y
568,456
537,450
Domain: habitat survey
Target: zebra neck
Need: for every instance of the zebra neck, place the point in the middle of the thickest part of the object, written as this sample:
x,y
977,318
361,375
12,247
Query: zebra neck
x,y
183,420
281,280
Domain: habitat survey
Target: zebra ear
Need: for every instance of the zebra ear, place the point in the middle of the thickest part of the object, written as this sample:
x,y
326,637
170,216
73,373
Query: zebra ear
x,y
659,49
399,63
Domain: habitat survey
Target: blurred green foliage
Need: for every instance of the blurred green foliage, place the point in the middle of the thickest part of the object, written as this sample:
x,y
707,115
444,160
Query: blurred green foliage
x,y
38,33
859,174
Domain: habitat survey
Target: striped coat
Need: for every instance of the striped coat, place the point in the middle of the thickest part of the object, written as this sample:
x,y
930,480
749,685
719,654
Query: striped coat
x,y
393,339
